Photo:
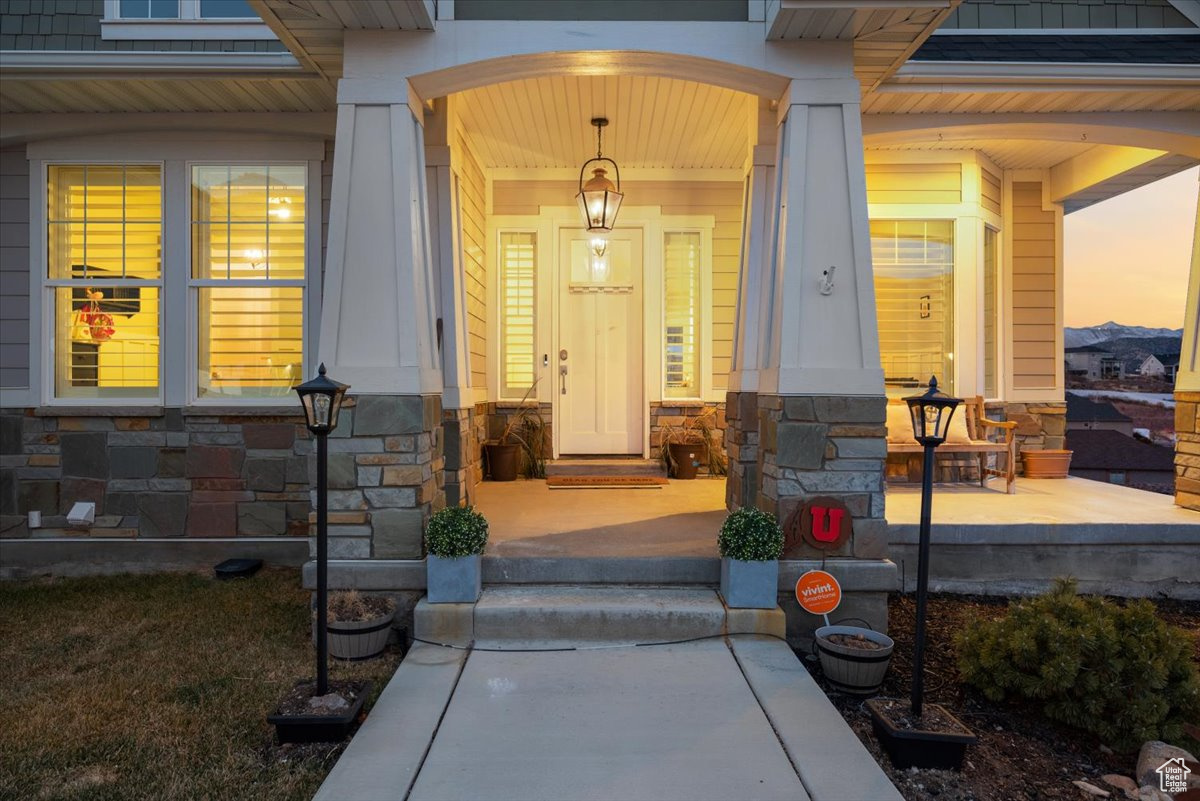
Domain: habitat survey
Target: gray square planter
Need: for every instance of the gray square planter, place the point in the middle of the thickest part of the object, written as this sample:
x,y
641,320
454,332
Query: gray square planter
x,y
749,585
453,581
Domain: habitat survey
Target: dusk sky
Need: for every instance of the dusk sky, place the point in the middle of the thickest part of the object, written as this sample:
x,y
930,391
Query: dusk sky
x,y
1127,258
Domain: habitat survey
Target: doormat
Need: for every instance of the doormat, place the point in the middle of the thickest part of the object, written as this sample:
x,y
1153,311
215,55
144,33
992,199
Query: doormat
x,y
606,482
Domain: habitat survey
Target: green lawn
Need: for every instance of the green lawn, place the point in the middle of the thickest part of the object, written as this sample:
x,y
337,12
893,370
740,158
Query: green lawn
x,y
156,688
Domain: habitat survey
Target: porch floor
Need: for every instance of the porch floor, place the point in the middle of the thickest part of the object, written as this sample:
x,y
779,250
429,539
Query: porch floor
x,y
1069,502
527,519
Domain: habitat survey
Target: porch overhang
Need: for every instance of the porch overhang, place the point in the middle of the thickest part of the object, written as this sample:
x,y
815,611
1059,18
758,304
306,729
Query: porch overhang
x,y
119,81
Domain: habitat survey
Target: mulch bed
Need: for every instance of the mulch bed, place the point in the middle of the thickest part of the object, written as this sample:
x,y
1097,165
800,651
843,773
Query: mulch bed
x,y
1021,756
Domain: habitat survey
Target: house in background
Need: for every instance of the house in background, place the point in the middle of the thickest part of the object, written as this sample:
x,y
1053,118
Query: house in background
x,y
824,204
1084,414
1091,362
1111,456
1160,365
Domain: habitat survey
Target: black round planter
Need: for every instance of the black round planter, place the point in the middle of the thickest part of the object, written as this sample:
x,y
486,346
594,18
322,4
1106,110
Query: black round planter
x,y
502,462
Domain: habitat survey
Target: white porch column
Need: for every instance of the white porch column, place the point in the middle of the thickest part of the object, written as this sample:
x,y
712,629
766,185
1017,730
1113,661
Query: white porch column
x,y
378,329
820,337
757,249
820,401
378,317
1187,389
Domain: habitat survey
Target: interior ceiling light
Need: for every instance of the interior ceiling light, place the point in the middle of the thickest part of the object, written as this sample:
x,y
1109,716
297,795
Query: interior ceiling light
x,y
599,198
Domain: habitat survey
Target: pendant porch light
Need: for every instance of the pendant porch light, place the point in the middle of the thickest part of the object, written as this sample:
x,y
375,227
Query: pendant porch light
x,y
599,198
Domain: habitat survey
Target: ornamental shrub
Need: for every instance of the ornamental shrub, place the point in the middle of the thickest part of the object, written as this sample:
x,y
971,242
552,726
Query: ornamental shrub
x,y
750,535
1117,671
456,531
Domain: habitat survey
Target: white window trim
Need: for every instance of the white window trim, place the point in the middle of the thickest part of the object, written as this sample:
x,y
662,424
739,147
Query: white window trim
x,y
494,295
39,175
195,284
703,227
189,25
174,153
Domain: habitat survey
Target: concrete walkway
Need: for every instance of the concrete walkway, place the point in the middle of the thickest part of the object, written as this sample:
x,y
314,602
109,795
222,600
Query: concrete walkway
x,y
728,718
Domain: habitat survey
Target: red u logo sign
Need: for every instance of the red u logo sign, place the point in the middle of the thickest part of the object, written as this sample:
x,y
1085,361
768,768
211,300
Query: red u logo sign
x,y
826,523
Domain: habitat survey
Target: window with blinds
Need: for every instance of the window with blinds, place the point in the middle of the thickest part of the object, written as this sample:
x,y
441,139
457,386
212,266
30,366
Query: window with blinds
x,y
104,276
681,314
991,290
914,298
248,277
518,302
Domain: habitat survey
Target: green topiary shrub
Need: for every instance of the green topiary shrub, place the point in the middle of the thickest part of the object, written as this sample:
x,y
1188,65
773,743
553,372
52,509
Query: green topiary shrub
x,y
456,531
750,535
1117,671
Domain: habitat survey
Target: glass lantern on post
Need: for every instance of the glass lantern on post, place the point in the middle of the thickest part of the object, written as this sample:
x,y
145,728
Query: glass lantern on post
x,y
322,401
931,413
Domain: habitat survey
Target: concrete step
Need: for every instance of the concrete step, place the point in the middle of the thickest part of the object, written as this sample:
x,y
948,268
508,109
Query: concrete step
x,y
605,467
509,617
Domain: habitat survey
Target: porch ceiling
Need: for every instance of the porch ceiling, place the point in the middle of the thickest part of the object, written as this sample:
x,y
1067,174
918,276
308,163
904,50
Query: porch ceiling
x,y
653,122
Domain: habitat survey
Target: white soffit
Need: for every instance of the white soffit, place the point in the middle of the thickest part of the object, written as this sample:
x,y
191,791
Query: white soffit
x,y
928,99
175,94
653,122
1007,154
312,29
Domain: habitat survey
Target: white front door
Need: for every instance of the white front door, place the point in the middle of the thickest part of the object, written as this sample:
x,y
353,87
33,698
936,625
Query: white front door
x,y
599,354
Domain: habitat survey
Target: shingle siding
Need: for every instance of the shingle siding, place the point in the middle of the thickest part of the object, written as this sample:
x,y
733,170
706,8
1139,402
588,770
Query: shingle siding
x,y
14,268
1030,14
1120,48
75,25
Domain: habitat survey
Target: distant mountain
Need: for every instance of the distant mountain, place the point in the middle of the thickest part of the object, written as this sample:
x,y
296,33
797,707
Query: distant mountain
x,y
1096,334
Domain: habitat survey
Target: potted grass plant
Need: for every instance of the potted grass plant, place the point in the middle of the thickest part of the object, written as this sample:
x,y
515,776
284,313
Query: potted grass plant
x,y
750,543
504,454
358,625
455,539
688,446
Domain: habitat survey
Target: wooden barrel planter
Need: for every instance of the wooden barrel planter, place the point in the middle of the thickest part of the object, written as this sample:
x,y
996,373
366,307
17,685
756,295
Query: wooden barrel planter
x,y
857,671
358,640
1046,464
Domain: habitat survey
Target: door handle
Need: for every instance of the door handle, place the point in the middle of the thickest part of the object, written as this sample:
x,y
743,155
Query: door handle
x,y
562,377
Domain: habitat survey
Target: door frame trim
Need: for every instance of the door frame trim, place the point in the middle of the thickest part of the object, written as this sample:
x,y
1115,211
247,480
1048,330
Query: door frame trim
x,y
648,224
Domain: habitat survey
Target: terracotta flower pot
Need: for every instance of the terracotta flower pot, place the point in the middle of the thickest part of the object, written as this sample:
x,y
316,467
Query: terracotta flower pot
x,y
1046,464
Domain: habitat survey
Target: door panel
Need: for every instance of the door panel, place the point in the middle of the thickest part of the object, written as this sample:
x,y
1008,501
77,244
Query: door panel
x,y
601,404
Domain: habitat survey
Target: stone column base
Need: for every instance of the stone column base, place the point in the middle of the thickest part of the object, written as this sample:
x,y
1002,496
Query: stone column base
x,y
833,446
1187,450
464,432
386,476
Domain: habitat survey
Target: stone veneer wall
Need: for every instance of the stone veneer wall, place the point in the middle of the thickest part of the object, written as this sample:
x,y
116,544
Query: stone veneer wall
x,y
741,449
1040,426
172,474
386,476
677,413
825,445
465,431
1187,450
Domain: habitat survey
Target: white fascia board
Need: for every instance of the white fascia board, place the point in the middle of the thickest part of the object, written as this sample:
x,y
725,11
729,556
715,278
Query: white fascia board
x,y
185,29
96,64
1172,76
1007,72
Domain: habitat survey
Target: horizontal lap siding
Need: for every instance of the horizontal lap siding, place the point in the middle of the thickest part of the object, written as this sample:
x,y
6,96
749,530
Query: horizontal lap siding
x,y
722,200
472,191
989,191
1033,288
14,268
914,183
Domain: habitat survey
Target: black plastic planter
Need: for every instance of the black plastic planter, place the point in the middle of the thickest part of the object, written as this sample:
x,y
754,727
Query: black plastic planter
x,y
319,728
915,748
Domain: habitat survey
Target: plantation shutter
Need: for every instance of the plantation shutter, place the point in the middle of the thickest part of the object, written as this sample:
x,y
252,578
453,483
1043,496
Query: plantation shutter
x,y
518,285
681,314
914,272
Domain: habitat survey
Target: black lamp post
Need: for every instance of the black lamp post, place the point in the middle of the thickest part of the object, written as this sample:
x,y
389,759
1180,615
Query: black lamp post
x,y
322,401
931,413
